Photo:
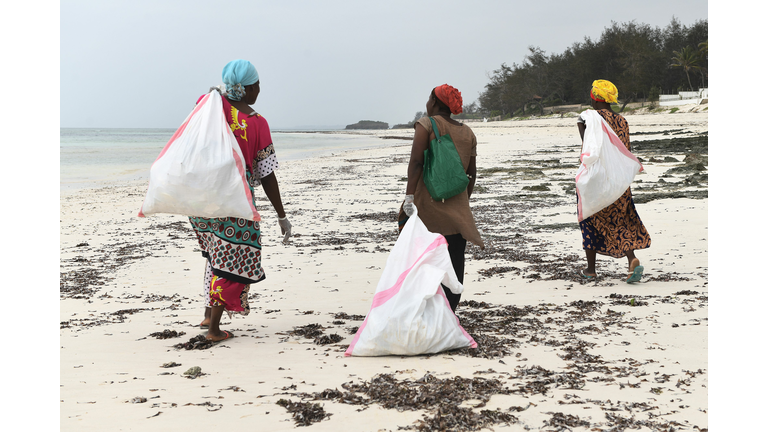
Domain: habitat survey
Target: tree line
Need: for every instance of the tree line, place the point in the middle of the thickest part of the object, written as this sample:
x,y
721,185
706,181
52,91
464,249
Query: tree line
x,y
642,61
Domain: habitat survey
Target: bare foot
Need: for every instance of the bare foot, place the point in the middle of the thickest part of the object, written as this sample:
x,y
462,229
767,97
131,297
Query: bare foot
x,y
220,336
206,322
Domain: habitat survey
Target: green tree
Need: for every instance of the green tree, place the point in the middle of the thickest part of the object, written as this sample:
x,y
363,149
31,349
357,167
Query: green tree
x,y
703,55
653,96
688,59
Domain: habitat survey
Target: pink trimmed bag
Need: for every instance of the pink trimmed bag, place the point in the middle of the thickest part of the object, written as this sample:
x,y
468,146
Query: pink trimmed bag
x,y
410,314
201,171
607,167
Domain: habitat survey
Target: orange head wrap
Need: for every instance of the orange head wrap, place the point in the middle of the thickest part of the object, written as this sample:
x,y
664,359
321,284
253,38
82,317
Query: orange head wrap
x,y
451,97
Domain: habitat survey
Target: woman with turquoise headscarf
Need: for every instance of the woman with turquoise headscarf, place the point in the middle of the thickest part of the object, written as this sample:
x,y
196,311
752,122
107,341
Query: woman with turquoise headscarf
x,y
232,246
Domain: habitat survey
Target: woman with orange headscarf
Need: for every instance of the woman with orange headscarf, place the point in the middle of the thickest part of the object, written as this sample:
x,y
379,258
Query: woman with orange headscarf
x,y
451,217
616,230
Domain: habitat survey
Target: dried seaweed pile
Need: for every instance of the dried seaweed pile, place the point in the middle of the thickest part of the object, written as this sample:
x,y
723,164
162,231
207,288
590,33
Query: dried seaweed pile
x,y
440,398
315,332
100,319
198,342
502,331
82,276
304,413
166,334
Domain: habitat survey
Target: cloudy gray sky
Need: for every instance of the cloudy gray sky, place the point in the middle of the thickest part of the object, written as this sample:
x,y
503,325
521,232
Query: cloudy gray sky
x,y
321,64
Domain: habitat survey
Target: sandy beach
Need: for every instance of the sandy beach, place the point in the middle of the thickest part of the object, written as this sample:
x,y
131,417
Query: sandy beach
x,y
555,352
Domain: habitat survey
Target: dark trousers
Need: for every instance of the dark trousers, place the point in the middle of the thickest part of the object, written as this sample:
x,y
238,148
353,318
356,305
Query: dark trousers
x,y
456,247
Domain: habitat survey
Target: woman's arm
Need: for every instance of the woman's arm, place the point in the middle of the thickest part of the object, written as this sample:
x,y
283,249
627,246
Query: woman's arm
x,y
472,174
582,127
272,189
416,164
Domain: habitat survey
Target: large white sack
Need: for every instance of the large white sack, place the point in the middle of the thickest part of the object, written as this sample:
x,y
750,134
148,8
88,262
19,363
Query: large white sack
x,y
410,314
607,167
201,171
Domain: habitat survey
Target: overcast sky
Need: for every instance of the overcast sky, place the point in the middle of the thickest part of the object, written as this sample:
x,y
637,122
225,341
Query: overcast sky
x,y
321,64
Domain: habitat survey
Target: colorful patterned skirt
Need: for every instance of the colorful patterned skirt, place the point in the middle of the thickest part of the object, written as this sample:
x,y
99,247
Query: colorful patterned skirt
x,y
616,229
232,247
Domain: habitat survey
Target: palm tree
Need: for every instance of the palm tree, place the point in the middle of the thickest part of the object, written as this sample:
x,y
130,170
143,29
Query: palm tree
x,y
703,52
688,59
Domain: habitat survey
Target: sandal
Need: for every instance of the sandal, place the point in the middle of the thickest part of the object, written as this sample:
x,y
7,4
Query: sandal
x,y
586,276
637,271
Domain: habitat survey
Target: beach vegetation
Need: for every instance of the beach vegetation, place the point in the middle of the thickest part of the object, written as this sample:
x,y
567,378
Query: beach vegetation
x,y
634,56
674,110
687,59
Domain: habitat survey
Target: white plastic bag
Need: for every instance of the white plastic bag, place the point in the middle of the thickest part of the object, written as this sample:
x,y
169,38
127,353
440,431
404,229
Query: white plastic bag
x,y
201,171
410,314
607,167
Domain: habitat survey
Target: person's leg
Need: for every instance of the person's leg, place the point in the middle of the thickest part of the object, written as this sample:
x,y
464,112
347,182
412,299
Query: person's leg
x,y
207,278
631,257
225,295
206,317
456,247
635,269
214,332
591,260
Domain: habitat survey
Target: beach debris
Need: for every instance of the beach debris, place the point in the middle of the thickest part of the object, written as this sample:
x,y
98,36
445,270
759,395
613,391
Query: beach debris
x,y
328,339
234,389
170,365
138,399
456,418
167,334
197,342
193,372
304,413
315,332
564,421
439,397
345,316
210,406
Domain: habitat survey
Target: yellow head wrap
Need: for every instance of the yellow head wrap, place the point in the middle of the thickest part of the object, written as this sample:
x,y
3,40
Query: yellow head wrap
x,y
603,90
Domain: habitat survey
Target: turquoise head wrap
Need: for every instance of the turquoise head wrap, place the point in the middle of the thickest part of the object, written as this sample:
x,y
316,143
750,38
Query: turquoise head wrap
x,y
236,75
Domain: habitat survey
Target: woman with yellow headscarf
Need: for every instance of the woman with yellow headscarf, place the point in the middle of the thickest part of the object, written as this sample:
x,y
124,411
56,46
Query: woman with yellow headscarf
x,y
616,230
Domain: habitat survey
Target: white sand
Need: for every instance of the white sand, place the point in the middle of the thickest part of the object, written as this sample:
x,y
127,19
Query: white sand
x,y
333,265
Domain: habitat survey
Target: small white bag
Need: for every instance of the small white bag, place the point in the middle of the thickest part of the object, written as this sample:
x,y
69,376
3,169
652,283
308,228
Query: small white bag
x,y
201,171
410,314
607,167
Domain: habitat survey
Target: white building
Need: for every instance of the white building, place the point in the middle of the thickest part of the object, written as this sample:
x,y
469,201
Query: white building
x,y
685,98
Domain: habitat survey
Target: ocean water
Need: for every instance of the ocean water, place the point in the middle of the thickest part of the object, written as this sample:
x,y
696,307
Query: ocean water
x,y
92,157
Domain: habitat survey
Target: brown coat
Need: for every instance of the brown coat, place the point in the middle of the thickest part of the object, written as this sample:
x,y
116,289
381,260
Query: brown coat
x,y
454,215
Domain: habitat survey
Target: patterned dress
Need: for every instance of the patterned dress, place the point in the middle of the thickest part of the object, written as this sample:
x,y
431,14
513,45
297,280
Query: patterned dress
x,y
616,229
232,246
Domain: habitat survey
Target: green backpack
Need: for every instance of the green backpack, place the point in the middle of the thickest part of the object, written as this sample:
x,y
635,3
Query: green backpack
x,y
444,174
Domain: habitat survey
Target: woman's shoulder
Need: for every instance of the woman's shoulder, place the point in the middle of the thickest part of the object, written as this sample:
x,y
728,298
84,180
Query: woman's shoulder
x,y
614,116
441,123
424,122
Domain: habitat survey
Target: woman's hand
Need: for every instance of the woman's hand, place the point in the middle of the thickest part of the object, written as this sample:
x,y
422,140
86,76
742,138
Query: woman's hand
x,y
285,227
408,205
272,190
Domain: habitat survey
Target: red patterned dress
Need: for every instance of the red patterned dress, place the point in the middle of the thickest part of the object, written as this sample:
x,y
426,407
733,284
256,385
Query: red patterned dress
x,y
616,229
232,246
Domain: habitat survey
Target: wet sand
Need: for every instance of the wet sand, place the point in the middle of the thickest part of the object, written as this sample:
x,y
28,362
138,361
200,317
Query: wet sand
x,y
555,351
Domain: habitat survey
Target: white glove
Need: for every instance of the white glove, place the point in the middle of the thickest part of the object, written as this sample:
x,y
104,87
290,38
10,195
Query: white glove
x,y
408,206
285,227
